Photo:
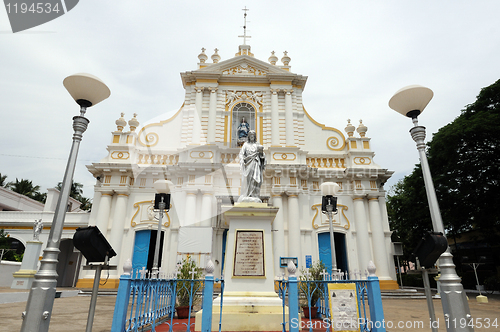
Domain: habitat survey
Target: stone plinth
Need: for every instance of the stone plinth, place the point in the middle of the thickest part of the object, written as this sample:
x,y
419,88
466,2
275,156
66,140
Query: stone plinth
x,y
26,274
249,302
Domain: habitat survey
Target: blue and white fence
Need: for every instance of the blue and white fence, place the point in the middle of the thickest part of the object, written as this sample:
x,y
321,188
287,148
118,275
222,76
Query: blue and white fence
x,y
142,303
367,292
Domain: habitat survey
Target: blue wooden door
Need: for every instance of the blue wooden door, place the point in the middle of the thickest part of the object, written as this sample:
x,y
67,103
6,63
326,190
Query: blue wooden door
x,y
141,250
325,254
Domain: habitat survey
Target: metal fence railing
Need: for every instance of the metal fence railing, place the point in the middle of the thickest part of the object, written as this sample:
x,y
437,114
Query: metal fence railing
x,y
367,316
143,302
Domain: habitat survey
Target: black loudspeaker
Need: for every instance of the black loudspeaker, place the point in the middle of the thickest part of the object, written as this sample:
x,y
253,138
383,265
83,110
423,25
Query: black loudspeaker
x,y
327,200
93,245
166,200
430,248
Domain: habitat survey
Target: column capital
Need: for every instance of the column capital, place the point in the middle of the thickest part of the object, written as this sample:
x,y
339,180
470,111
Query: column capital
x,y
358,197
292,192
373,197
213,90
191,191
122,192
199,89
106,192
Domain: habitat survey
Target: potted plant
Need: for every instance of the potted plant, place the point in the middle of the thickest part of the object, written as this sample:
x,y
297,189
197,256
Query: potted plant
x,y
184,290
311,289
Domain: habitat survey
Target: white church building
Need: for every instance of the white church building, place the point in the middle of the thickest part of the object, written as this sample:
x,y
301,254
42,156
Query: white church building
x,y
197,149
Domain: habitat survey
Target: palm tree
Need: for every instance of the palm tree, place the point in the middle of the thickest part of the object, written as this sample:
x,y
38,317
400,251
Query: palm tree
x,y
76,189
2,180
76,193
24,187
86,203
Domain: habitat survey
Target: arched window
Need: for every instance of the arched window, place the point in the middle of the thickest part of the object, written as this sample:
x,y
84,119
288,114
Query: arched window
x,y
241,111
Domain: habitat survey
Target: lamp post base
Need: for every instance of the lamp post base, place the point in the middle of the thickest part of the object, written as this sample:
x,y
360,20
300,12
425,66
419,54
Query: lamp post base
x,y
453,297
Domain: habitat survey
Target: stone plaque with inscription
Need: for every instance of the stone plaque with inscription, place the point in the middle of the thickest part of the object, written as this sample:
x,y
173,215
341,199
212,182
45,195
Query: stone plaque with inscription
x,y
249,254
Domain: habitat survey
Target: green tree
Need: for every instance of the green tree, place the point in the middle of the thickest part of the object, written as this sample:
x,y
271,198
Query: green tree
x,y
76,192
27,188
5,244
464,158
464,162
3,179
76,189
86,203
408,211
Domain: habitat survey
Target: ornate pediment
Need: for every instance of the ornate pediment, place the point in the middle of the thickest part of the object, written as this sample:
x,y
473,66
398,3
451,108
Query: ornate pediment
x,y
244,69
243,65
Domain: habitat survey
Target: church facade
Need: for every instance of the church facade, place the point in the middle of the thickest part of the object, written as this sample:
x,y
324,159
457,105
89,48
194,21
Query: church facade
x,y
197,149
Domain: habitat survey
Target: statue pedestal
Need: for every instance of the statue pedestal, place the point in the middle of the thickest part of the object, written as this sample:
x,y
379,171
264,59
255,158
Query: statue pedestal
x,y
26,274
249,302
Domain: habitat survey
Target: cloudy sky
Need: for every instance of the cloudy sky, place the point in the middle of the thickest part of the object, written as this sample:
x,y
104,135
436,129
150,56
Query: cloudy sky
x,y
356,54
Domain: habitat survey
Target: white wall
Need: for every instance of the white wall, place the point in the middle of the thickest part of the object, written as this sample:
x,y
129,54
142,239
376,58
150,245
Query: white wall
x,y
7,268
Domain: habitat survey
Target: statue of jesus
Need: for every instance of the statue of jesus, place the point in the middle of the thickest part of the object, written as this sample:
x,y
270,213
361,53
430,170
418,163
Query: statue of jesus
x,y
252,164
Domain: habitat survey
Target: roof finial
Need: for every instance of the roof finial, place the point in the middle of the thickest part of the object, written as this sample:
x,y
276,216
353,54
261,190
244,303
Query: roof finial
x,y
244,36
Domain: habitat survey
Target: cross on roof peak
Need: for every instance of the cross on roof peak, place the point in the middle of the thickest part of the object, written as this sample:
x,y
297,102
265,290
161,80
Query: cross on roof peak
x,y
244,36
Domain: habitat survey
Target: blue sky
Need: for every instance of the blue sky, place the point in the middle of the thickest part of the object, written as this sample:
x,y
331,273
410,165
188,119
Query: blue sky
x,y
356,54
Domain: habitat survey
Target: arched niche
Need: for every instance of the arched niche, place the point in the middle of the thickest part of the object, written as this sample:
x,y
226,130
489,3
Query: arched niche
x,y
239,111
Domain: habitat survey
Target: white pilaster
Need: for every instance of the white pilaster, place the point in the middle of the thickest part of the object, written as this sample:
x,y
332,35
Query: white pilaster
x,y
104,210
196,135
378,239
190,208
116,234
290,137
211,116
294,248
206,209
275,120
278,228
362,238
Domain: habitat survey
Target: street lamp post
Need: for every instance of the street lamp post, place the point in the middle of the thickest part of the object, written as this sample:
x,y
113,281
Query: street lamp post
x,y
329,206
162,202
87,90
410,101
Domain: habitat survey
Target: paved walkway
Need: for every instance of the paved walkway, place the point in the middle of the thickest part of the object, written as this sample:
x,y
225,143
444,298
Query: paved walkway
x,y
401,315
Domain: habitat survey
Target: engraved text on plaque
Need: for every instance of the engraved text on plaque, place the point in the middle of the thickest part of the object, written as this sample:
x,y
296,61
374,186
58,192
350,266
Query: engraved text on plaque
x,y
249,254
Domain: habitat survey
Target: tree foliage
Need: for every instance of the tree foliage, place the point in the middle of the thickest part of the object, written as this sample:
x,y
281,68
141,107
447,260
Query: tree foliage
x,y
9,253
27,188
76,193
464,157
408,211
465,166
3,179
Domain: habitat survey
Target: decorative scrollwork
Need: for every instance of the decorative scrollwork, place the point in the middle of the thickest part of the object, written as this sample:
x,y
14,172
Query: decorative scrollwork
x,y
244,69
150,138
145,214
335,222
362,161
255,96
